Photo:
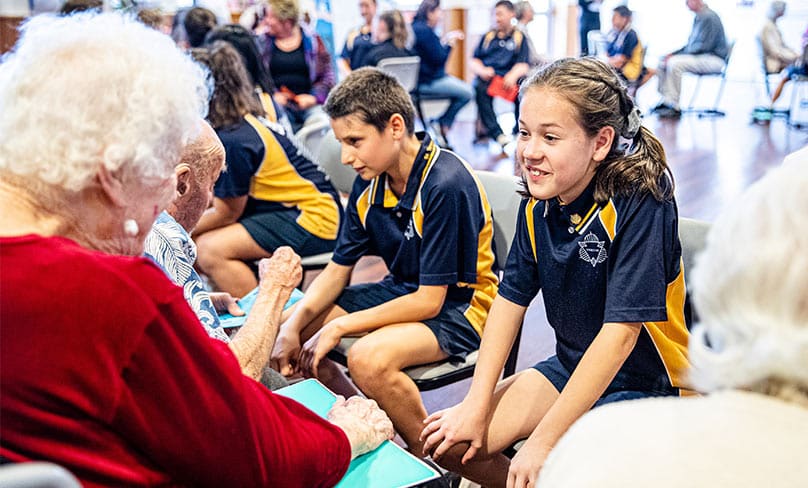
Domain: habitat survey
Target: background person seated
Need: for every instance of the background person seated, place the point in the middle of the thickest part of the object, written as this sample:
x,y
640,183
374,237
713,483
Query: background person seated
x,y
391,36
502,52
271,195
359,40
246,44
298,62
104,367
433,82
197,23
749,353
706,52
625,51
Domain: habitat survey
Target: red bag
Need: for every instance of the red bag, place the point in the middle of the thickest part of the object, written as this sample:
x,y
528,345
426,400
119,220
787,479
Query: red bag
x,y
497,89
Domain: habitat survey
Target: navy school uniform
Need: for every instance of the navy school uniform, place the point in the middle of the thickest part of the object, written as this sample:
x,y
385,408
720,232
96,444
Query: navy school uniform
x,y
357,45
439,232
502,53
615,262
290,199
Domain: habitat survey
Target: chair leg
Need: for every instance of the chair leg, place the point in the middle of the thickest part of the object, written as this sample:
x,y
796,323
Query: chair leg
x,y
695,94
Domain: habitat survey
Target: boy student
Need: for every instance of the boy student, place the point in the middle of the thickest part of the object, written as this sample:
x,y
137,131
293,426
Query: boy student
x,y
502,52
425,213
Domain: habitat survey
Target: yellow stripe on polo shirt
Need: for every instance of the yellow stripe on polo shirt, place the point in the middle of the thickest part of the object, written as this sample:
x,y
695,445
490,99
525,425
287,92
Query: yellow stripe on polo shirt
x,y
363,204
671,337
486,286
531,230
277,180
431,155
608,217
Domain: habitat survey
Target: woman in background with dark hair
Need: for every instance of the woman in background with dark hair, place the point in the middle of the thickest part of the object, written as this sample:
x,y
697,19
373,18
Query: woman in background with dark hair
x,y
433,82
247,46
271,195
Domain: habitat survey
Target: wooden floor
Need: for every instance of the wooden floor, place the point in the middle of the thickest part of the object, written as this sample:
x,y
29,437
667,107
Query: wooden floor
x,y
712,159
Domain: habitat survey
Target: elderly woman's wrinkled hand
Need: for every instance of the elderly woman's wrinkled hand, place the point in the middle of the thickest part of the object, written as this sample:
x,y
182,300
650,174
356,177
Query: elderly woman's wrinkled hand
x,y
365,424
282,269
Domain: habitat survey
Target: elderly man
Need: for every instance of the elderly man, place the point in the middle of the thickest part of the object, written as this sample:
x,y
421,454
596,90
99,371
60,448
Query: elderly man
x,y
169,245
706,52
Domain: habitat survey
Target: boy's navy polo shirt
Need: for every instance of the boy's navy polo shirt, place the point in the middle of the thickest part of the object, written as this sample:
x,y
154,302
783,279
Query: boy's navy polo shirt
x,y
438,233
616,262
267,165
357,45
502,53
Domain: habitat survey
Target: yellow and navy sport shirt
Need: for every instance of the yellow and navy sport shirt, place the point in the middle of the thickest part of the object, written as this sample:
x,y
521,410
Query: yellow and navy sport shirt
x,y
617,262
268,166
438,233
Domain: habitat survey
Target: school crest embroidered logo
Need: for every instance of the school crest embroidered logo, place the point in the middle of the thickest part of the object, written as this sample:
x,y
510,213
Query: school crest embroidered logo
x,y
410,232
592,250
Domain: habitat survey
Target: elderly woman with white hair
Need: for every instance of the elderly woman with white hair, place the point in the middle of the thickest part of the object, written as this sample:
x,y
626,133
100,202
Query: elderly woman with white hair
x,y
104,368
749,354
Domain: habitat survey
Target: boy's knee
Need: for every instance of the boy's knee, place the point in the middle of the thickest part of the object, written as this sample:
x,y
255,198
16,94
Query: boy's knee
x,y
207,250
367,363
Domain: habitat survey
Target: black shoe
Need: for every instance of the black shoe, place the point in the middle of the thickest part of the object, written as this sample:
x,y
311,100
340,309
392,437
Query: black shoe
x,y
669,113
660,106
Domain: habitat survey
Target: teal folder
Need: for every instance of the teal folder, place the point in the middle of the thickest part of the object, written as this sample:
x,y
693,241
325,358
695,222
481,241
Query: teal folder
x,y
246,303
388,466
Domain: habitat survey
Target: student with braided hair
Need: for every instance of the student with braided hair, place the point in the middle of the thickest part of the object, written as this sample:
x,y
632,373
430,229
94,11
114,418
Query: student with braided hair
x,y
597,234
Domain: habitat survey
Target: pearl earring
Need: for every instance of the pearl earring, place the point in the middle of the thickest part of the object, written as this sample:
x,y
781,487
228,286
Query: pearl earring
x,y
130,228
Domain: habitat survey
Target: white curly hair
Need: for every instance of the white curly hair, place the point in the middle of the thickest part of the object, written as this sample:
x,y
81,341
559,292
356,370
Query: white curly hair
x,y
751,292
88,90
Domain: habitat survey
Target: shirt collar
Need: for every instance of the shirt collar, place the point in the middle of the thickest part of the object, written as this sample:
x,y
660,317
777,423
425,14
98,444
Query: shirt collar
x,y
384,196
577,210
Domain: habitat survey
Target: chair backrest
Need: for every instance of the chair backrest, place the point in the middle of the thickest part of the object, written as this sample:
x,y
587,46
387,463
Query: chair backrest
x,y
330,159
311,135
404,68
36,475
693,236
504,200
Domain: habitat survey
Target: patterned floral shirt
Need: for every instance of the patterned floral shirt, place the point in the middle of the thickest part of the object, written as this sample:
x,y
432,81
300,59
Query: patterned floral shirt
x,y
171,247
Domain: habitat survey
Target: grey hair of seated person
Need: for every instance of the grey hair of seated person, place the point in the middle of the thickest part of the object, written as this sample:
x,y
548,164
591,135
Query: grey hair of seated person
x,y
750,290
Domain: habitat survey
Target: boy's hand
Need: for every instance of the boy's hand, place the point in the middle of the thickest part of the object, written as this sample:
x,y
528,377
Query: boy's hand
x,y
285,354
316,348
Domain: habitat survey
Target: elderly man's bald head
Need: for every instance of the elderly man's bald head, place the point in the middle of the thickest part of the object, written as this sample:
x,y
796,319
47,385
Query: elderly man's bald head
x,y
200,164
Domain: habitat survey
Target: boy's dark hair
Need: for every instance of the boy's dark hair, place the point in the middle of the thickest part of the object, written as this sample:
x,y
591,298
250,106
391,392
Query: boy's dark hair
x,y
599,99
245,43
373,96
198,22
233,95
73,6
505,3
623,11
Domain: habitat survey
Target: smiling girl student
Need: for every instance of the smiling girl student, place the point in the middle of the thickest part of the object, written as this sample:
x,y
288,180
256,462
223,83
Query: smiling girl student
x,y
597,234
424,212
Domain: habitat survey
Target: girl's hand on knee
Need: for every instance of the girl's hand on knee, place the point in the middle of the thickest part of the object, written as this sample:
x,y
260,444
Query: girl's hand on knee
x,y
447,428
525,466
